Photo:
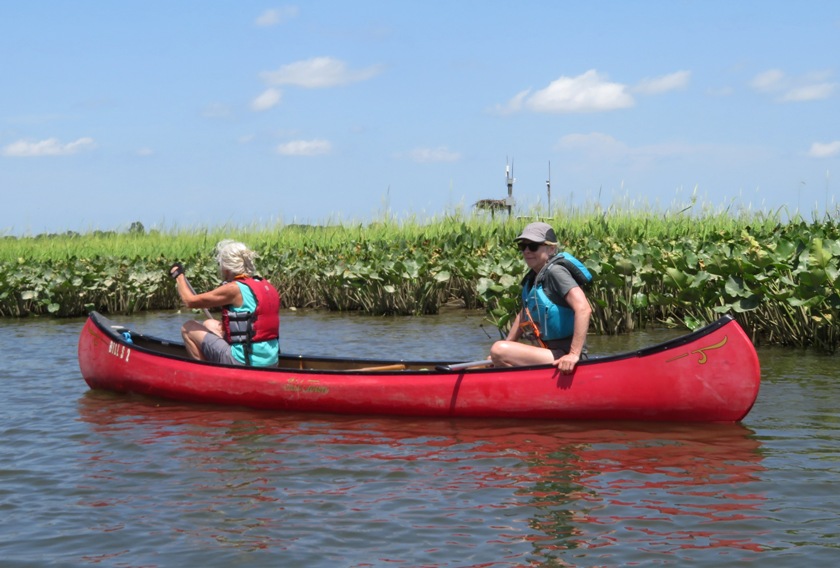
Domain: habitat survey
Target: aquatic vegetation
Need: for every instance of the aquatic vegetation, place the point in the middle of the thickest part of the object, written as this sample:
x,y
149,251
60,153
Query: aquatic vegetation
x,y
675,267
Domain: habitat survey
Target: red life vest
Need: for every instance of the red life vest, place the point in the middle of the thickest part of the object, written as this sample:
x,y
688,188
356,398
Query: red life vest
x,y
263,324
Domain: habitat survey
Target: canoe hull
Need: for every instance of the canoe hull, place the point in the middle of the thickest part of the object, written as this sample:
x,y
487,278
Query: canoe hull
x,y
712,376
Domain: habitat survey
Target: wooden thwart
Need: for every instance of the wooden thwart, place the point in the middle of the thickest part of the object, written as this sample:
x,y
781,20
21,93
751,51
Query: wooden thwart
x,y
397,367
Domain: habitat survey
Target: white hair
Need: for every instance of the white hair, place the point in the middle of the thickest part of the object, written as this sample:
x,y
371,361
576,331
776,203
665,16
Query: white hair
x,y
235,257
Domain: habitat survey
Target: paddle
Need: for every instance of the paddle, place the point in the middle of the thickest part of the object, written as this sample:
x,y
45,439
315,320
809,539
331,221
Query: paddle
x,y
206,311
459,366
187,282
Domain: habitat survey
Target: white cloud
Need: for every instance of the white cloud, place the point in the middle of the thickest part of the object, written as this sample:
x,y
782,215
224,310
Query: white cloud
x,y
145,151
305,148
319,72
513,105
276,16
439,154
820,150
48,147
665,83
768,81
267,99
590,92
815,92
810,87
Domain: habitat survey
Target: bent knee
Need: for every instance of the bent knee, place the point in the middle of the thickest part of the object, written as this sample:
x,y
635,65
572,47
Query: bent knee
x,y
192,325
496,349
499,349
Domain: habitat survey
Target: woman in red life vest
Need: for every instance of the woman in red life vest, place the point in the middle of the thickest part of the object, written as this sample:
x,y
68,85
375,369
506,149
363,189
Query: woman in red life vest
x,y
249,330
555,309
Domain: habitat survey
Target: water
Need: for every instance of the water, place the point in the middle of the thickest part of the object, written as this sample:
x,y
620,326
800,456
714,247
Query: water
x,y
95,479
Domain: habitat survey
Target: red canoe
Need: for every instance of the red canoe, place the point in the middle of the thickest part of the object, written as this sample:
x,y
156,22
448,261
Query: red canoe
x,y
711,375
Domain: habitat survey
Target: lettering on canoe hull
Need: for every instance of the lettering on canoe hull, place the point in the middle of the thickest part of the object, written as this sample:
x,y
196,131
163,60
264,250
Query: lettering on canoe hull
x,y
701,352
294,384
119,351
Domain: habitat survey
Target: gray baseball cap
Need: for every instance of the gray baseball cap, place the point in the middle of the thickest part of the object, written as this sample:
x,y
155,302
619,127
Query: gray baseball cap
x,y
538,233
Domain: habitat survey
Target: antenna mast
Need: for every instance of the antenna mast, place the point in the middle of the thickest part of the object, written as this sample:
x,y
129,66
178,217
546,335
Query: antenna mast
x,y
509,179
548,188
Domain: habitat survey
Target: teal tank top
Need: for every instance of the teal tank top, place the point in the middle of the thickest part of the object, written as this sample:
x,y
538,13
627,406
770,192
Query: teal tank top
x,y
263,353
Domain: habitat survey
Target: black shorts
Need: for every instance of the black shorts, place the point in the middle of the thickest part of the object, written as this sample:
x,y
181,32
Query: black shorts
x,y
560,347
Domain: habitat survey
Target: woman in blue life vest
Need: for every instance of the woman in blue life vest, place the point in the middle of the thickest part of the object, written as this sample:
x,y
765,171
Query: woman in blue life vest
x,y
249,329
555,309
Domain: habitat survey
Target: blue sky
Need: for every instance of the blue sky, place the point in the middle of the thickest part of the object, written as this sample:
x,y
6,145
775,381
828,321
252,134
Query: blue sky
x,y
183,114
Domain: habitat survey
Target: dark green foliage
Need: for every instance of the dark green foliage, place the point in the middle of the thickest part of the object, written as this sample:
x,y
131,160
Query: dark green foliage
x,y
779,280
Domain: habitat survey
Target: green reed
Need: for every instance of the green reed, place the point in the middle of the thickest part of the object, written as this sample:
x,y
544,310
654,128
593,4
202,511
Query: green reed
x,y
683,266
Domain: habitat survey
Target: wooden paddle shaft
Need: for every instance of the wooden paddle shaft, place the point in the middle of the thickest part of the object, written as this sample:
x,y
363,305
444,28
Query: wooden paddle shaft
x,y
206,311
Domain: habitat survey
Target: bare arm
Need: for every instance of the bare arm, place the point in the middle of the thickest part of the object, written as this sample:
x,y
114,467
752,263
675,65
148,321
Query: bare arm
x,y
224,295
580,305
515,331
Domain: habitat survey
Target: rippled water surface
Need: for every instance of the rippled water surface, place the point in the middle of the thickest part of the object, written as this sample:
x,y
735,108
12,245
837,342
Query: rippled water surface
x,y
95,479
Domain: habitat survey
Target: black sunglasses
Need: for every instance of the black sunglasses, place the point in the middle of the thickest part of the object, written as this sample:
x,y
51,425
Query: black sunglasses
x,y
533,247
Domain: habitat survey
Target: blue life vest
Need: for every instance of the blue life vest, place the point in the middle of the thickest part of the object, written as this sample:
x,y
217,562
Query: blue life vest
x,y
553,321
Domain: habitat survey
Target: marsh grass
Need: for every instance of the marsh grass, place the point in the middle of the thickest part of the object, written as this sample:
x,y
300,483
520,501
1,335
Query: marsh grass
x,y
682,266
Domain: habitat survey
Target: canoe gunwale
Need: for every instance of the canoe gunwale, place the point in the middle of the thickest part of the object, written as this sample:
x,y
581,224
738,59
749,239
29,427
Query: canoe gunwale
x,y
115,332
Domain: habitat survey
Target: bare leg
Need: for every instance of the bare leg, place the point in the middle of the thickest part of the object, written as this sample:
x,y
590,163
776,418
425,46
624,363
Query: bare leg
x,y
193,333
215,327
512,353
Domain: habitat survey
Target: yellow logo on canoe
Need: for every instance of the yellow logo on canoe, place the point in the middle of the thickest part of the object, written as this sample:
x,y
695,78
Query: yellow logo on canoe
x,y
701,351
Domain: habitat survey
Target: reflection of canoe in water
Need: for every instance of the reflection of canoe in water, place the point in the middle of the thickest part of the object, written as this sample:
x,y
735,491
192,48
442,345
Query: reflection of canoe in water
x,y
593,454
711,375
729,452
597,492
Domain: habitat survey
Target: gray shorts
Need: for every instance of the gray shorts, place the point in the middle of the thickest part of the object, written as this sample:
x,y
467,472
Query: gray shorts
x,y
217,350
